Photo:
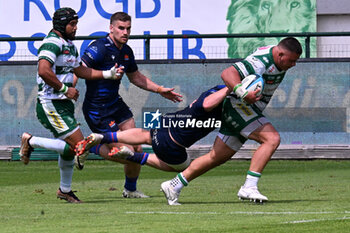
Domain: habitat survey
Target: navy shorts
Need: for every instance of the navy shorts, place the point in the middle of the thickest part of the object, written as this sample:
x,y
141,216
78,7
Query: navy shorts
x,y
104,118
166,149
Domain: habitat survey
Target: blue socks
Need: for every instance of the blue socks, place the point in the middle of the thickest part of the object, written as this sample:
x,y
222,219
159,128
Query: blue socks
x,y
95,149
130,183
109,137
138,157
144,159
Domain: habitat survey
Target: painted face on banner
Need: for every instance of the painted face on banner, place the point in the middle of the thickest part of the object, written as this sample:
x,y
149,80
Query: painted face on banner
x,y
268,16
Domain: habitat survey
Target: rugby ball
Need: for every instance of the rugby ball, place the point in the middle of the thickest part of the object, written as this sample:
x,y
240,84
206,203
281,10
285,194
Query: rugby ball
x,y
253,82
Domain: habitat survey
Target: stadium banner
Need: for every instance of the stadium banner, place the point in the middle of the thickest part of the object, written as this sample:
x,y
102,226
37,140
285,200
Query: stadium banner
x,y
32,18
311,106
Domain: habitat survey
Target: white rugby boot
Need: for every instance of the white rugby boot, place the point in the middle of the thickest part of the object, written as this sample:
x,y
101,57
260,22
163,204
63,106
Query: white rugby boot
x,y
252,194
134,194
170,194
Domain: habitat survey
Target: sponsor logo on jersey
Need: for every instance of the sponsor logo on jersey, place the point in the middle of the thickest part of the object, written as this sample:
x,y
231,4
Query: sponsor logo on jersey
x,y
112,124
155,138
126,57
89,55
94,49
70,120
271,69
255,59
264,47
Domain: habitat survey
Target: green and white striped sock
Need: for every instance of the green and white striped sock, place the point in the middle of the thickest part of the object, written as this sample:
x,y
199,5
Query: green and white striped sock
x,y
252,179
179,182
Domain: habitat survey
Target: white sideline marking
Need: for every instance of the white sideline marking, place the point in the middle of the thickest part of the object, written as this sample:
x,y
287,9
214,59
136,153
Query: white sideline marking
x,y
286,213
167,212
318,220
235,212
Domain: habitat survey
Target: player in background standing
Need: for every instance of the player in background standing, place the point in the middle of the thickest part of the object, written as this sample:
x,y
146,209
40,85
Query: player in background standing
x,y
58,59
241,121
104,109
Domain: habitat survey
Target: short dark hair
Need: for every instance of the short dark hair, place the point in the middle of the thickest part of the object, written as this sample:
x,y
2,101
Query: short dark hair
x,y
121,16
291,44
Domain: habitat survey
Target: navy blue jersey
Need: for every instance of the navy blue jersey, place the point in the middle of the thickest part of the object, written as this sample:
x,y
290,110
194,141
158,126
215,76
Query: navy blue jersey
x,y
197,123
102,54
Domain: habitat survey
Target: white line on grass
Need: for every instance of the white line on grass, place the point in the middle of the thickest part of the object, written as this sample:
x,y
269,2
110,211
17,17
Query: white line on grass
x,y
272,213
168,212
235,212
318,220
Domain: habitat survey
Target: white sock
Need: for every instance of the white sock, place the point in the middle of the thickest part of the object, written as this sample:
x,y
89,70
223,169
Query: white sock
x,y
179,182
252,179
57,145
66,172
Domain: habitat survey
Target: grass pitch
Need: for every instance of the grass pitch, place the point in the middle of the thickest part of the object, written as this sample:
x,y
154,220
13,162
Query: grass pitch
x,y
305,196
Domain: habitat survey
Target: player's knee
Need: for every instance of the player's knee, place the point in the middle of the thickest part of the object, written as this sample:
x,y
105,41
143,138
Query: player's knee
x,y
274,140
148,140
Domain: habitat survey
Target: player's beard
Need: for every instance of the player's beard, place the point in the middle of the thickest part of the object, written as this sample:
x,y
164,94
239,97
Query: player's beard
x,y
70,36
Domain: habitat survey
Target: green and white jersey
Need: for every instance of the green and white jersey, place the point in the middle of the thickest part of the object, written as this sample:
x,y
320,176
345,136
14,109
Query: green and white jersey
x,y
64,57
261,62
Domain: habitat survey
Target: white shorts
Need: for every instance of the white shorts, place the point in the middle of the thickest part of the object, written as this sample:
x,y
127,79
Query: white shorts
x,y
236,143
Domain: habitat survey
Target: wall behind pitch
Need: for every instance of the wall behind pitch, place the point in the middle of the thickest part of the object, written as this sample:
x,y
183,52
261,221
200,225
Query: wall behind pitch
x,y
311,106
